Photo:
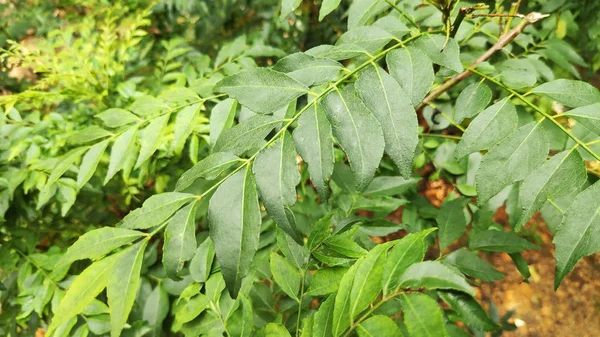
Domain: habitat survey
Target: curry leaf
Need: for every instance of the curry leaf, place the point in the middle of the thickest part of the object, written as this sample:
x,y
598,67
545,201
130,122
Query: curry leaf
x,y
358,132
413,70
234,219
180,240
382,94
262,90
277,175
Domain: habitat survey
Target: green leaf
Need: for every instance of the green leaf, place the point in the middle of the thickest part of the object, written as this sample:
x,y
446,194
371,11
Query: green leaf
x,y
97,243
518,156
326,281
288,6
423,316
188,309
314,142
577,235
202,261
433,47
150,138
358,288
221,118
588,116
89,163
245,136
276,330
180,240
470,312
471,101
118,152
241,321
388,186
320,231
392,25
413,70
309,70
113,118
378,326
234,219
156,309
521,264
156,210
83,290
434,275
369,38
488,128
286,275
358,132
470,264
569,92
88,134
324,318
123,284
499,241
208,168
277,175
406,251
64,163
328,6
382,94
262,90
293,251
345,246
452,221
556,178
184,125
361,11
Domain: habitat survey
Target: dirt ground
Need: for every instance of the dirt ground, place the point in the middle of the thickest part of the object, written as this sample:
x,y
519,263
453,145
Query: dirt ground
x,y
572,311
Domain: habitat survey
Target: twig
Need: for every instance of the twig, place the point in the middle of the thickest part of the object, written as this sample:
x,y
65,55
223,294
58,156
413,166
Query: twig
x,y
502,42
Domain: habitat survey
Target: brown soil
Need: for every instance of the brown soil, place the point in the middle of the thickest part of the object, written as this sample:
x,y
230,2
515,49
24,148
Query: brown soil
x,y
572,311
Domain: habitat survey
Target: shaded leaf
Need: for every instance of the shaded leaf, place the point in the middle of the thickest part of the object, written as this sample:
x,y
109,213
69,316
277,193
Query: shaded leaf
x,y
245,136
406,251
234,219
287,276
488,128
413,71
518,156
118,152
452,221
471,101
358,132
184,125
556,178
432,46
156,210
208,168
123,284
149,139
422,316
569,92
378,326
89,163
277,175
499,241
577,235
434,275
470,312
221,118
309,70
262,90
326,281
180,240
588,116
470,264
202,261
113,118
314,142
382,94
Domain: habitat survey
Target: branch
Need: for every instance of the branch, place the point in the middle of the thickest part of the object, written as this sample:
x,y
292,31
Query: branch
x,y
502,42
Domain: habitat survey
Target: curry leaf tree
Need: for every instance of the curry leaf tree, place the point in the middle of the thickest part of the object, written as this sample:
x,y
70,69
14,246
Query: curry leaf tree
x,y
303,161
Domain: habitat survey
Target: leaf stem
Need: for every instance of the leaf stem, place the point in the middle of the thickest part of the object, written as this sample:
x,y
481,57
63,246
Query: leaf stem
x,y
537,109
404,14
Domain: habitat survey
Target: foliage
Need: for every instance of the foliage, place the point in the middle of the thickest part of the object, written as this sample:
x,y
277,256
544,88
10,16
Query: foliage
x,y
268,166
